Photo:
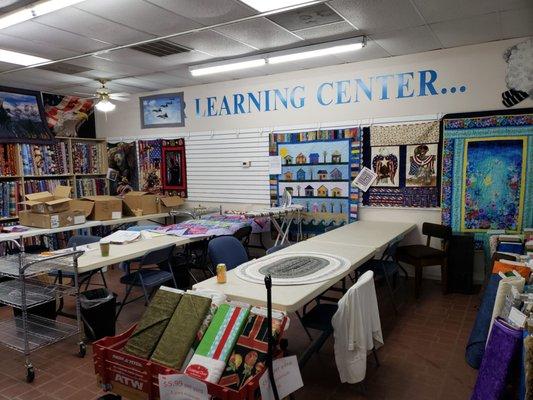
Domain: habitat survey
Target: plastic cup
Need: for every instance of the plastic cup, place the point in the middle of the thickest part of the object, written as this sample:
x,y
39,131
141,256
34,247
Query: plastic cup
x,y
104,248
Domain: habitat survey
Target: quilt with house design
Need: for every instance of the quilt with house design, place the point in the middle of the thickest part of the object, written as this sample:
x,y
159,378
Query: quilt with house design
x,y
317,169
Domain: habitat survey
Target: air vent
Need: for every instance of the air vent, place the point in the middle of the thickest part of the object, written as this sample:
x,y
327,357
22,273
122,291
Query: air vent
x,y
11,5
307,17
64,68
161,48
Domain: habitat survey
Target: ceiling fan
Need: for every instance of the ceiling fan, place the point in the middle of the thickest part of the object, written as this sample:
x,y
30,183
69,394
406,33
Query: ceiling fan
x,y
103,97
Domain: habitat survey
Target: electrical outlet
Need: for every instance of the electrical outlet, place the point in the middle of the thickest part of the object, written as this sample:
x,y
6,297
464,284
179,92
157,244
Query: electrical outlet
x,y
246,164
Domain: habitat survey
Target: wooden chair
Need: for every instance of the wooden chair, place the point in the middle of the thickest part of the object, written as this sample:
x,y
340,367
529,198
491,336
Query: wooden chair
x,y
420,256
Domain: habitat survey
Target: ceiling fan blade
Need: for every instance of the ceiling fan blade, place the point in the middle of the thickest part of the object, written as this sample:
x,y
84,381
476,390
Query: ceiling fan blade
x,y
123,94
92,95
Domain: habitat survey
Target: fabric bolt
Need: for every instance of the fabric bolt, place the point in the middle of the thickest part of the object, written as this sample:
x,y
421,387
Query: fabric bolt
x,y
250,353
504,343
209,360
528,367
509,247
153,323
181,330
357,329
521,268
504,288
477,341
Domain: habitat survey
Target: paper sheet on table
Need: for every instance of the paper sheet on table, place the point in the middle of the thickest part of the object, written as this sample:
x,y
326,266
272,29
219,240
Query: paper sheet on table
x,y
123,237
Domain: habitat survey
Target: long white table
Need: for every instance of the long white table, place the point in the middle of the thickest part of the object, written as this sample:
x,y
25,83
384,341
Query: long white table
x,y
32,232
377,234
291,298
358,242
92,259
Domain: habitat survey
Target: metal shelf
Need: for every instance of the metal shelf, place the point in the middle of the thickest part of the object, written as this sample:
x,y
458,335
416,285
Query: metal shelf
x,y
41,332
37,293
35,264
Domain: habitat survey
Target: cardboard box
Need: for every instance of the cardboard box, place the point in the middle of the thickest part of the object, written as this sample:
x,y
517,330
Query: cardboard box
x,y
49,203
100,208
167,203
143,201
55,220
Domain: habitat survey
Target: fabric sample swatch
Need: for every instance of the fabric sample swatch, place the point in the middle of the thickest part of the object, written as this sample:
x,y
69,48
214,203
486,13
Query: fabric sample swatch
x,y
503,345
155,319
250,353
210,358
181,331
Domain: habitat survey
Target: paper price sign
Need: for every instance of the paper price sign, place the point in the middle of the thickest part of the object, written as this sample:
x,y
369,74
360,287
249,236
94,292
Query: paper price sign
x,y
287,376
181,387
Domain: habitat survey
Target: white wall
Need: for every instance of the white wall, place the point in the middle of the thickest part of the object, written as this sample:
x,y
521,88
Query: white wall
x,y
217,145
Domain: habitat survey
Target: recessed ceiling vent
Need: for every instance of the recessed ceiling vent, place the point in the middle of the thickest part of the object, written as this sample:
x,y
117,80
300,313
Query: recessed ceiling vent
x,y
64,68
161,48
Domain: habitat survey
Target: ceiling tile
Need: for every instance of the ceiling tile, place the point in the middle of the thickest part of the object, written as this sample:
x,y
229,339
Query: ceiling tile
x,y
515,4
370,52
438,10
45,36
373,16
91,26
33,48
306,17
153,63
213,43
139,15
138,83
461,32
517,23
260,33
206,12
166,80
47,78
407,41
107,65
334,30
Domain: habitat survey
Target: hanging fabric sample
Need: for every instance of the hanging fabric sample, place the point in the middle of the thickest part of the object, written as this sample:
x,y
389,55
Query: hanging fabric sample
x,y
174,167
317,170
406,159
486,166
153,323
122,158
181,331
150,152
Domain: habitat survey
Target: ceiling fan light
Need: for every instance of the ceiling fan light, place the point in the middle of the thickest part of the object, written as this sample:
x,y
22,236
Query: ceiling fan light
x,y
104,106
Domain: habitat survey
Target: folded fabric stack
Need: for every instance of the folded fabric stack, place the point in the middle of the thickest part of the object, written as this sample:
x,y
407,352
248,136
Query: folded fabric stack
x,y
209,360
506,266
250,353
181,330
504,288
153,323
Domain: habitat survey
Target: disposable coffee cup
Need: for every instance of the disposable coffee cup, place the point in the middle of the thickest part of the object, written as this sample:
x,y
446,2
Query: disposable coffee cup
x,y
104,248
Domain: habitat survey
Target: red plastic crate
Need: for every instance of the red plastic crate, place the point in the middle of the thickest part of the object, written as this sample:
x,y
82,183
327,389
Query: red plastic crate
x,y
135,378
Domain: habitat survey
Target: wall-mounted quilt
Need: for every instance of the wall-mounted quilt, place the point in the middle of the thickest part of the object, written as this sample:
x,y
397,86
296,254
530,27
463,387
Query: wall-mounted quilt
x,y
122,157
487,171
317,169
406,159
162,166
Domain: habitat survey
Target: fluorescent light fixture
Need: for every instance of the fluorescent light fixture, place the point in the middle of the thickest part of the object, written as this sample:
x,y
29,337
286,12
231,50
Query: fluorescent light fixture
x,y
199,71
104,105
269,5
34,10
315,53
13,57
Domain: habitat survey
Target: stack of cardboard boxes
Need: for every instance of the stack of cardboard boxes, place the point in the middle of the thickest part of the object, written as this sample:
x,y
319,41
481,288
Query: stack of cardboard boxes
x,y
57,209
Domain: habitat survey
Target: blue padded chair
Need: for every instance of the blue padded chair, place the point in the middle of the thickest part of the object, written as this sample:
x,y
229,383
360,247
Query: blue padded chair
x,y
124,265
227,250
386,268
154,270
79,240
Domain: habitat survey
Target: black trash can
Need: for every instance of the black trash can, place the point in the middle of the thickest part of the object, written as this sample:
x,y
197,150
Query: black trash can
x,y
98,313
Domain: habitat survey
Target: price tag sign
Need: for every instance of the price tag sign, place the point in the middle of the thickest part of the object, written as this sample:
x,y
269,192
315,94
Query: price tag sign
x,y
274,165
287,376
181,387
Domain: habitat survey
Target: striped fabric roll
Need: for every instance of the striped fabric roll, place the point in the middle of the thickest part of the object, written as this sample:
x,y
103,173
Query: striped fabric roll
x,y
209,360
